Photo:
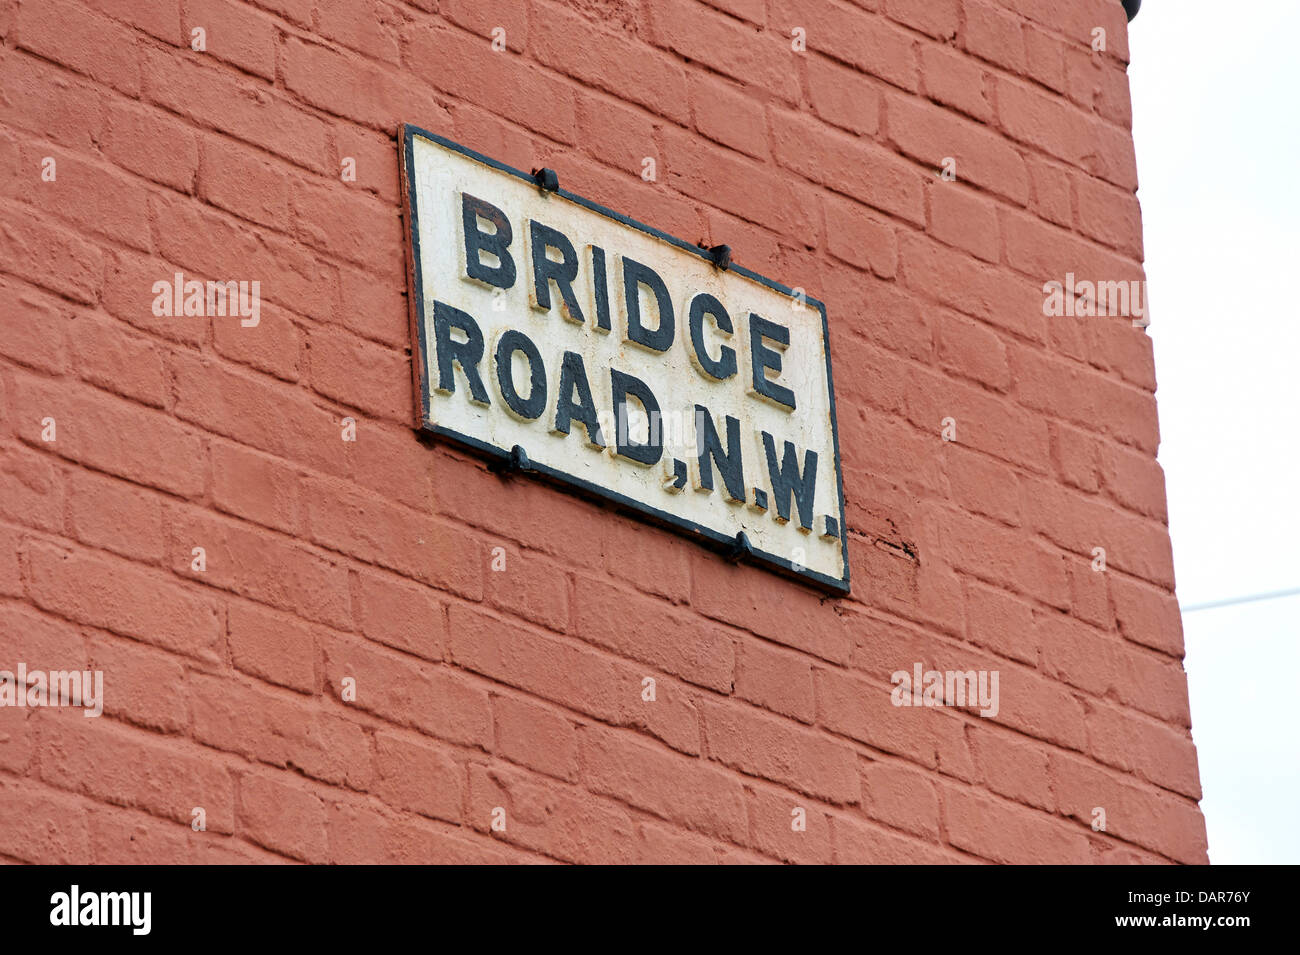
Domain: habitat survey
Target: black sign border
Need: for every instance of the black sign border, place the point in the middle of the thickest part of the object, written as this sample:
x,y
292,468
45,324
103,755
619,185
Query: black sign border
x,y
420,366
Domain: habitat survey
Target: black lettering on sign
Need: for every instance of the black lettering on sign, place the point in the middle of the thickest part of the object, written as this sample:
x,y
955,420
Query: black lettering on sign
x,y
636,275
600,287
501,275
787,481
546,270
467,354
724,366
573,380
729,460
625,387
511,341
763,358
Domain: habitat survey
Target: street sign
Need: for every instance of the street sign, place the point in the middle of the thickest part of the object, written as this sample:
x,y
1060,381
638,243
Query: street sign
x,y
570,342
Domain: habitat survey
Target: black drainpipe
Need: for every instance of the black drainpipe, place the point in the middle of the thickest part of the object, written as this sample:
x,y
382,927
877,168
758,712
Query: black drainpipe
x,y
1131,7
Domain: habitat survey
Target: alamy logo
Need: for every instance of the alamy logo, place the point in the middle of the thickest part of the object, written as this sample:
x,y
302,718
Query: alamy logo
x,y
946,688
53,688
102,908
1075,299
207,299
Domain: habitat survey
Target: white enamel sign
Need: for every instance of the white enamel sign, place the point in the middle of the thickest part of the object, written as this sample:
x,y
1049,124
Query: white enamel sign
x,y
574,344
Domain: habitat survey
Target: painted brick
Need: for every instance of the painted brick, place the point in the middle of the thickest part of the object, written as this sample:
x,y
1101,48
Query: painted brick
x,y
271,646
438,701
693,793
283,816
643,629
36,334
51,103
132,769
603,687
86,43
761,59
118,360
723,113
55,828
528,688
776,749
114,595
281,729
538,737
141,686
413,775
117,516
1008,833
953,80
257,564
775,680
236,35
866,41
33,489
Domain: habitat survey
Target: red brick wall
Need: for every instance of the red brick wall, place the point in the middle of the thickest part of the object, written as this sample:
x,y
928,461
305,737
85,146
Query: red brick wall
x,y
522,688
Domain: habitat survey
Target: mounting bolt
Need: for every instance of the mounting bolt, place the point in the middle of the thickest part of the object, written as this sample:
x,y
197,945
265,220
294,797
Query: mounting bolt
x,y
740,549
513,463
546,179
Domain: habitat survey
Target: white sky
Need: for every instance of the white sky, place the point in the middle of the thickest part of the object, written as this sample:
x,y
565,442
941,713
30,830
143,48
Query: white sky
x,y
1217,126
